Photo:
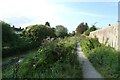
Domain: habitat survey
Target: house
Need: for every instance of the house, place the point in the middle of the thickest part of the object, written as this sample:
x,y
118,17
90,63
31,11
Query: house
x,y
17,30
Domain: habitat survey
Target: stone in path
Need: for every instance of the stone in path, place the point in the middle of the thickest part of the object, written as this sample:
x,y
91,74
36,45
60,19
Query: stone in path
x,y
88,70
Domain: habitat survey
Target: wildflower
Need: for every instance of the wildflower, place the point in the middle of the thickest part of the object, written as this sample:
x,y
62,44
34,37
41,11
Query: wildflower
x,y
19,60
34,65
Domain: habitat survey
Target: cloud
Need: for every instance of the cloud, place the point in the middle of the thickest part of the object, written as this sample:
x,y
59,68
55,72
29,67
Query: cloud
x,y
85,0
25,12
28,10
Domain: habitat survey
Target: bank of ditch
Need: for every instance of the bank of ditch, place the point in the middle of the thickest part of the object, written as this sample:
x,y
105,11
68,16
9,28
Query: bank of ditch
x,y
54,59
104,58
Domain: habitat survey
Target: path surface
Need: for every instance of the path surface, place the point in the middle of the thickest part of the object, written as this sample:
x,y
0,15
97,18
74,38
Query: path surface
x,y
88,70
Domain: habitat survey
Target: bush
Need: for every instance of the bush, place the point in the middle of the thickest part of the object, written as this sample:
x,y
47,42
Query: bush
x,y
61,31
104,58
93,28
12,44
36,33
16,50
88,44
87,33
8,35
55,59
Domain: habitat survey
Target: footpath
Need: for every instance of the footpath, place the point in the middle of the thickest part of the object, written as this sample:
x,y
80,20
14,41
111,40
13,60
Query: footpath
x,y
89,72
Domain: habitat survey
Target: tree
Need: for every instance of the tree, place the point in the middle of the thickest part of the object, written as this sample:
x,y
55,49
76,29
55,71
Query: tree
x,y
61,31
81,28
47,24
36,33
86,26
8,35
73,33
93,28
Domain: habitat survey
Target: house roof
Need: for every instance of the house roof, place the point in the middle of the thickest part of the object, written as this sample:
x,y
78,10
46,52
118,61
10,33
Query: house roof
x,y
17,29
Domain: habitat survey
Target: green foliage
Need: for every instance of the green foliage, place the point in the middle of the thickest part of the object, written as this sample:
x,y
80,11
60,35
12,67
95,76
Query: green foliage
x,y
8,36
36,33
81,28
12,44
93,28
87,32
105,59
71,34
61,31
88,44
16,50
47,24
54,59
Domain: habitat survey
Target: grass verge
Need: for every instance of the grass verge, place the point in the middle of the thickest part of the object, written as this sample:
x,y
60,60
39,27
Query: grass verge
x,y
104,58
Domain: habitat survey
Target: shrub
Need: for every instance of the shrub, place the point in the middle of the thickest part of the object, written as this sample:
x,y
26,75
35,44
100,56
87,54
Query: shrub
x,y
36,33
54,59
7,34
105,59
88,44
93,28
16,50
61,31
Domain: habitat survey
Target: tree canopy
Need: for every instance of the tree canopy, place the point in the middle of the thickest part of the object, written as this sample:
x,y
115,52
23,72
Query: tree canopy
x,y
37,33
61,31
81,28
47,24
93,28
8,36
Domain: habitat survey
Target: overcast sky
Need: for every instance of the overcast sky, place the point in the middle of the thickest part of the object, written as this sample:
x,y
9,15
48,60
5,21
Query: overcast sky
x,y
22,13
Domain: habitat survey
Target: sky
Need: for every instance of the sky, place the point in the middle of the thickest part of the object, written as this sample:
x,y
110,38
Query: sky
x,y
70,14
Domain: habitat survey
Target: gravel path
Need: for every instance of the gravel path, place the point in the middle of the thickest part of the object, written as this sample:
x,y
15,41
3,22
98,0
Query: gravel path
x,y
88,70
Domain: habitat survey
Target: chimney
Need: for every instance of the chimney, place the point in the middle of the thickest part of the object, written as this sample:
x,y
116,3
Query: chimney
x,y
13,26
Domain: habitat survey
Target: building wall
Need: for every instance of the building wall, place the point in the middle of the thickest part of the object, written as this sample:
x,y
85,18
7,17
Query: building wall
x,y
108,36
18,32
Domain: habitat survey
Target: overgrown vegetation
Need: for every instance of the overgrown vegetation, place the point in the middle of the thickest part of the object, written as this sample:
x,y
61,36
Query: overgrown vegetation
x,y
61,31
36,33
87,32
31,37
89,44
12,43
81,28
8,36
54,59
104,58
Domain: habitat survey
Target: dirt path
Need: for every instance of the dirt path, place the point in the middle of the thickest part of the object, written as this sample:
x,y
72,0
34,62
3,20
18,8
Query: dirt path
x,y
88,70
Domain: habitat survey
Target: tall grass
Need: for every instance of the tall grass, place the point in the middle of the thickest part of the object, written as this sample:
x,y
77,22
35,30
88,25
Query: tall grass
x,y
104,58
